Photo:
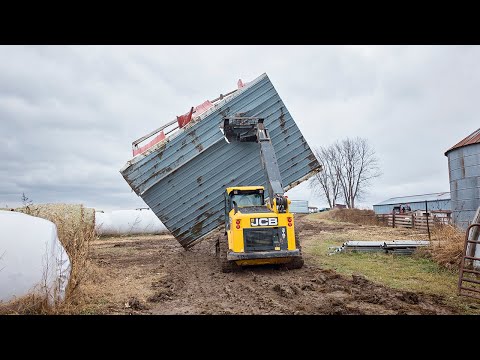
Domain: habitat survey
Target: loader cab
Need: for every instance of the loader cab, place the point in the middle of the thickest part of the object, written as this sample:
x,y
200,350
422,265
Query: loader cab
x,y
243,197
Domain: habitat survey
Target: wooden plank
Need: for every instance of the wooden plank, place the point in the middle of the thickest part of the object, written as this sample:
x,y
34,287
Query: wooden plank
x,y
471,271
421,222
471,280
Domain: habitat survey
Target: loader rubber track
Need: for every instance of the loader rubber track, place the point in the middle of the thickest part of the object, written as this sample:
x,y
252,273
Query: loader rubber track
x,y
297,262
222,248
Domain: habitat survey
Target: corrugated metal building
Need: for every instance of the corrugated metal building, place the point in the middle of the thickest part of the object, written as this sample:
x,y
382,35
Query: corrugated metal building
x,y
435,201
464,174
299,207
183,177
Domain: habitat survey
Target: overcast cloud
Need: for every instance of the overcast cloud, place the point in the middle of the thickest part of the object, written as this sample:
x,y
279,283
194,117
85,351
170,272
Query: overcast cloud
x,y
68,115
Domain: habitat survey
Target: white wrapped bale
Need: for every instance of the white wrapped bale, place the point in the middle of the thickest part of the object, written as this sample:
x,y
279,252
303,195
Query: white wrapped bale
x,y
128,222
32,259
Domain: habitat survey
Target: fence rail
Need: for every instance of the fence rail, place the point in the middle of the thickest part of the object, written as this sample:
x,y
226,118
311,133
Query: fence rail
x,y
412,221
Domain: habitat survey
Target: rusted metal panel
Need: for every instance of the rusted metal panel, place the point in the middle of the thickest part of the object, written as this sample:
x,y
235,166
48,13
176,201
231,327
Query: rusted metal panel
x,y
183,178
473,138
464,173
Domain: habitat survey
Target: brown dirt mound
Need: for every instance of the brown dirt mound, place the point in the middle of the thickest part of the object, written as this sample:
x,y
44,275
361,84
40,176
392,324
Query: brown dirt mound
x,y
354,216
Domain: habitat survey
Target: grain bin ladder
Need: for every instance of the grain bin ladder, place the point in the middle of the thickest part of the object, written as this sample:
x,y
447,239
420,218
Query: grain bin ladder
x,y
470,291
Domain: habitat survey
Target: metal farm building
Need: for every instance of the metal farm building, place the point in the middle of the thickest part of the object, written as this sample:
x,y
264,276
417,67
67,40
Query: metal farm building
x,y
464,174
299,207
435,201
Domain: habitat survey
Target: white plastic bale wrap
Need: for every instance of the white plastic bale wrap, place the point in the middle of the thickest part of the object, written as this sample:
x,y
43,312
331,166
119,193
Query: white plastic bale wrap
x,y
32,259
128,222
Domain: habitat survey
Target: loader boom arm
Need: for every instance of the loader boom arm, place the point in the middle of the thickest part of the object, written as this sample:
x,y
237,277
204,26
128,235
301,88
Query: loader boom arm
x,y
243,129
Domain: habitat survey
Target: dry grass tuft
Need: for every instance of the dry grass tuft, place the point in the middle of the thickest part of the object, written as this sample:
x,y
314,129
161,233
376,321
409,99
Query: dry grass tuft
x,y
447,246
76,229
31,304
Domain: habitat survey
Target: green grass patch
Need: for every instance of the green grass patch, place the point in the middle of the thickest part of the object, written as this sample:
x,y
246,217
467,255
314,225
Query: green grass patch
x,y
403,272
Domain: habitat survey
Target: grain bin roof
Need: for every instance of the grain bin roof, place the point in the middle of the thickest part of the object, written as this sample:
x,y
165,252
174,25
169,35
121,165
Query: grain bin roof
x,y
416,198
473,138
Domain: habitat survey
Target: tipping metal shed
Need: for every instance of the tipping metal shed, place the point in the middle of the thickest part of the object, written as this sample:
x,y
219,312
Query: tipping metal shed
x,y
183,177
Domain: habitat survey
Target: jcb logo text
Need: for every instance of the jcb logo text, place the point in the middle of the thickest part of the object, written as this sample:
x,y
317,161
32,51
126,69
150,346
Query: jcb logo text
x,y
263,222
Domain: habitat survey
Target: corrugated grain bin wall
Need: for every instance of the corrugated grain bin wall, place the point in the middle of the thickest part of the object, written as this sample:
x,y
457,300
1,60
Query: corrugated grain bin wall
x,y
183,178
464,173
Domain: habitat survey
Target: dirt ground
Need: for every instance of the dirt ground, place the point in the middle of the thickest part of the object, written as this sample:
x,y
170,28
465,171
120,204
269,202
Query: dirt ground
x,y
155,275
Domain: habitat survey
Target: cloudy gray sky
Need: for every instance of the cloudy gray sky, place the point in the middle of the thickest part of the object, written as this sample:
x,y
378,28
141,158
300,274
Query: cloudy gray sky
x,y
68,114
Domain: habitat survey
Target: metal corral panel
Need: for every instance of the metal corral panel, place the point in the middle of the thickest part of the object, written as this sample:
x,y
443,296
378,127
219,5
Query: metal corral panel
x,y
406,247
432,205
406,243
464,172
183,178
299,207
364,243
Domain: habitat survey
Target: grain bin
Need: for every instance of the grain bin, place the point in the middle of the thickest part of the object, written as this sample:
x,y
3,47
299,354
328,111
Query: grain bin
x,y
464,174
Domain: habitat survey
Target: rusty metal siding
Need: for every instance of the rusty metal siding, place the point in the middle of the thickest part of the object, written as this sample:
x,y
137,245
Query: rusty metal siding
x,y
464,173
473,138
183,178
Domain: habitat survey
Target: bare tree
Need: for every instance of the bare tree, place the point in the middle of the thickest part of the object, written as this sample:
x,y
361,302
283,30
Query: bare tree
x,y
28,207
326,183
26,201
356,164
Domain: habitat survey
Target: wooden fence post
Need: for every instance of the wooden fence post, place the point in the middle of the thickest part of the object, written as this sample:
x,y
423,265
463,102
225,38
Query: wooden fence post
x,y
428,225
413,221
393,219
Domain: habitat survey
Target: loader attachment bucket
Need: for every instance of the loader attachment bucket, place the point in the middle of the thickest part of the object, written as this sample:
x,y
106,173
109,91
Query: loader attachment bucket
x,y
240,129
